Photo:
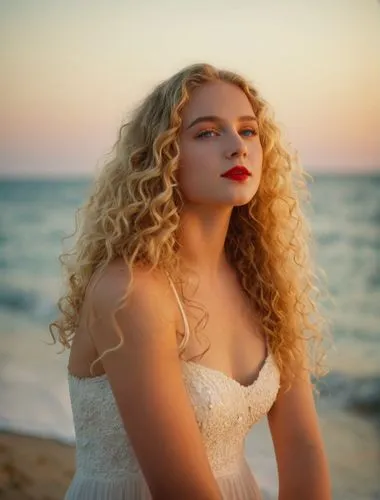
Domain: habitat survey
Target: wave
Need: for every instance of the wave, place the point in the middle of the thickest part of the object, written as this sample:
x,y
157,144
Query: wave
x,y
29,302
360,394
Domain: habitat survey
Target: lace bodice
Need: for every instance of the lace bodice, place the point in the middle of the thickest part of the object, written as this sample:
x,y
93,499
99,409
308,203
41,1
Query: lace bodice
x,y
225,411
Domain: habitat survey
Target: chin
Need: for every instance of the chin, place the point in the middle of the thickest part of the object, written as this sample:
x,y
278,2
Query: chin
x,y
239,195
240,199
231,199
241,203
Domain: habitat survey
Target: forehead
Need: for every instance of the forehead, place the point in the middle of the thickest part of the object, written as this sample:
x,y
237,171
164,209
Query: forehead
x,y
217,98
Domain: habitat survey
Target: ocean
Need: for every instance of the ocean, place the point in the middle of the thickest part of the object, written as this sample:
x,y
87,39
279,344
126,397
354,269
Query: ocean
x,y
36,214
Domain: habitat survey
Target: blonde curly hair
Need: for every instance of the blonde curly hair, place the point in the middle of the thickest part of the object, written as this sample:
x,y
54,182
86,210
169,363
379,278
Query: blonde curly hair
x,y
134,211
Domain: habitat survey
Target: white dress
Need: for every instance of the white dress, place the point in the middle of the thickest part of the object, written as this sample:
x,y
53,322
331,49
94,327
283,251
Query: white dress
x,y
106,465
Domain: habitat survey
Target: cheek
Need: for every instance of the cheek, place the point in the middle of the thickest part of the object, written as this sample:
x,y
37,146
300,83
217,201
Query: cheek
x,y
193,153
256,153
190,162
256,162
189,175
194,173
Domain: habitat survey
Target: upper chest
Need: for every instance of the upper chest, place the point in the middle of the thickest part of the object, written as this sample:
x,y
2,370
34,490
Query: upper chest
x,y
225,329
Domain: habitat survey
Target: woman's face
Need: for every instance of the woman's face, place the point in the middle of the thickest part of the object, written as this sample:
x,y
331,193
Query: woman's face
x,y
219,131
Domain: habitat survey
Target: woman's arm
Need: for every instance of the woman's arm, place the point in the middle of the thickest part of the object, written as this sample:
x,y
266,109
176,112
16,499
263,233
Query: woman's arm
x,y
302,464
146,379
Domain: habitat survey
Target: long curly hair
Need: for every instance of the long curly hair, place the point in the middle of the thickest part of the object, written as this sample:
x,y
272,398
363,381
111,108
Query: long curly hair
x,y
134,211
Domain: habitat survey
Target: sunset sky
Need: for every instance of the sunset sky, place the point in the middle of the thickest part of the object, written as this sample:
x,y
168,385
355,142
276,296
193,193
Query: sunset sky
x,y
72,69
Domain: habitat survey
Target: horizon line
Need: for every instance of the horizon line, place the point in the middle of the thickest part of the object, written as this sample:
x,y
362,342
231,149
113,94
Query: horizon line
x,y
46,176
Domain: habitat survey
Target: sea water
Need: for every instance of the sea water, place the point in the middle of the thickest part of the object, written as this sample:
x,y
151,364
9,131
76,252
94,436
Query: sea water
x,y
345,219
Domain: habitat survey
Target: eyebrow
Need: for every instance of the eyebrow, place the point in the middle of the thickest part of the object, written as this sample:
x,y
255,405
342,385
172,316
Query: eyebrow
x,y
218,119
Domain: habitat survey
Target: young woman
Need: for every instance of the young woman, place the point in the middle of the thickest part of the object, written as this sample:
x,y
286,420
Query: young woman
x,y
190,299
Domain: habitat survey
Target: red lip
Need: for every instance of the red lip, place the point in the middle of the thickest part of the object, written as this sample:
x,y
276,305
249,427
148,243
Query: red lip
x,y
237,171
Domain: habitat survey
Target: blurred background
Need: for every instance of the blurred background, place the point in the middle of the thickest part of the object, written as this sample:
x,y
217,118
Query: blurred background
x,y
71,71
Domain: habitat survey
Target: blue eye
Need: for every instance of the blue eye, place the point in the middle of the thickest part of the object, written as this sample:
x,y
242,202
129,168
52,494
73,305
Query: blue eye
x,y
206,133
248,132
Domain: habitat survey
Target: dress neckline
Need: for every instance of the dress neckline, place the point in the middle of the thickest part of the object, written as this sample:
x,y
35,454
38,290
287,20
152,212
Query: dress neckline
x,y
222,374
190,364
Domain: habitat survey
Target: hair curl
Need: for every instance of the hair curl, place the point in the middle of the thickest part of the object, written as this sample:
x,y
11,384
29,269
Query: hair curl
x,y
134,210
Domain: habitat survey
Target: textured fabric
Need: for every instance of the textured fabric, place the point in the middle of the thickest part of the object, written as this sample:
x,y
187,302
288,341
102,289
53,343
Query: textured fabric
x,y
106,466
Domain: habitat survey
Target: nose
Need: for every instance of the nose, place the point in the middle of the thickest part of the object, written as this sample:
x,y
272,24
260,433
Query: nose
x,y
236,147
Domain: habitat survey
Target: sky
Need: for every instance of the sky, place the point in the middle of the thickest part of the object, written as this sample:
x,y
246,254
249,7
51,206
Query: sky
x,y
72,70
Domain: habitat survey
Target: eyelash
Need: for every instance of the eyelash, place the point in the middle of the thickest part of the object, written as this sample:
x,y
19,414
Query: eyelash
x,y
202,134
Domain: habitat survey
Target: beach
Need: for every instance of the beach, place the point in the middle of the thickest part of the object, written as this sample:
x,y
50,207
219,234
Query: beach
x,y
32,468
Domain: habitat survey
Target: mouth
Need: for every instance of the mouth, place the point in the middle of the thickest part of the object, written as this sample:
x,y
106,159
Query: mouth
x,y
239,172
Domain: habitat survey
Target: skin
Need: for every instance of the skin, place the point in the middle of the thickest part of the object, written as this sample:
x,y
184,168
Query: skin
x,y
161,431
228,137
208,149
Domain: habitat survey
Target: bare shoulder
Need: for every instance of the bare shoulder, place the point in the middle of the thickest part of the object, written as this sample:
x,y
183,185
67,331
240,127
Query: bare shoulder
x,y
145,285
149,300
142,364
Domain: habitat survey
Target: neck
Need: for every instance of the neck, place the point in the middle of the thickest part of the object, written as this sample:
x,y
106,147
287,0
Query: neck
x,y
202,236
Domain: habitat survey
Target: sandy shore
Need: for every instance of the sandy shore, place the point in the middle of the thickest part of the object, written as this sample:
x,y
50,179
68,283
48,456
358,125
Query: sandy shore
x,y
33,468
